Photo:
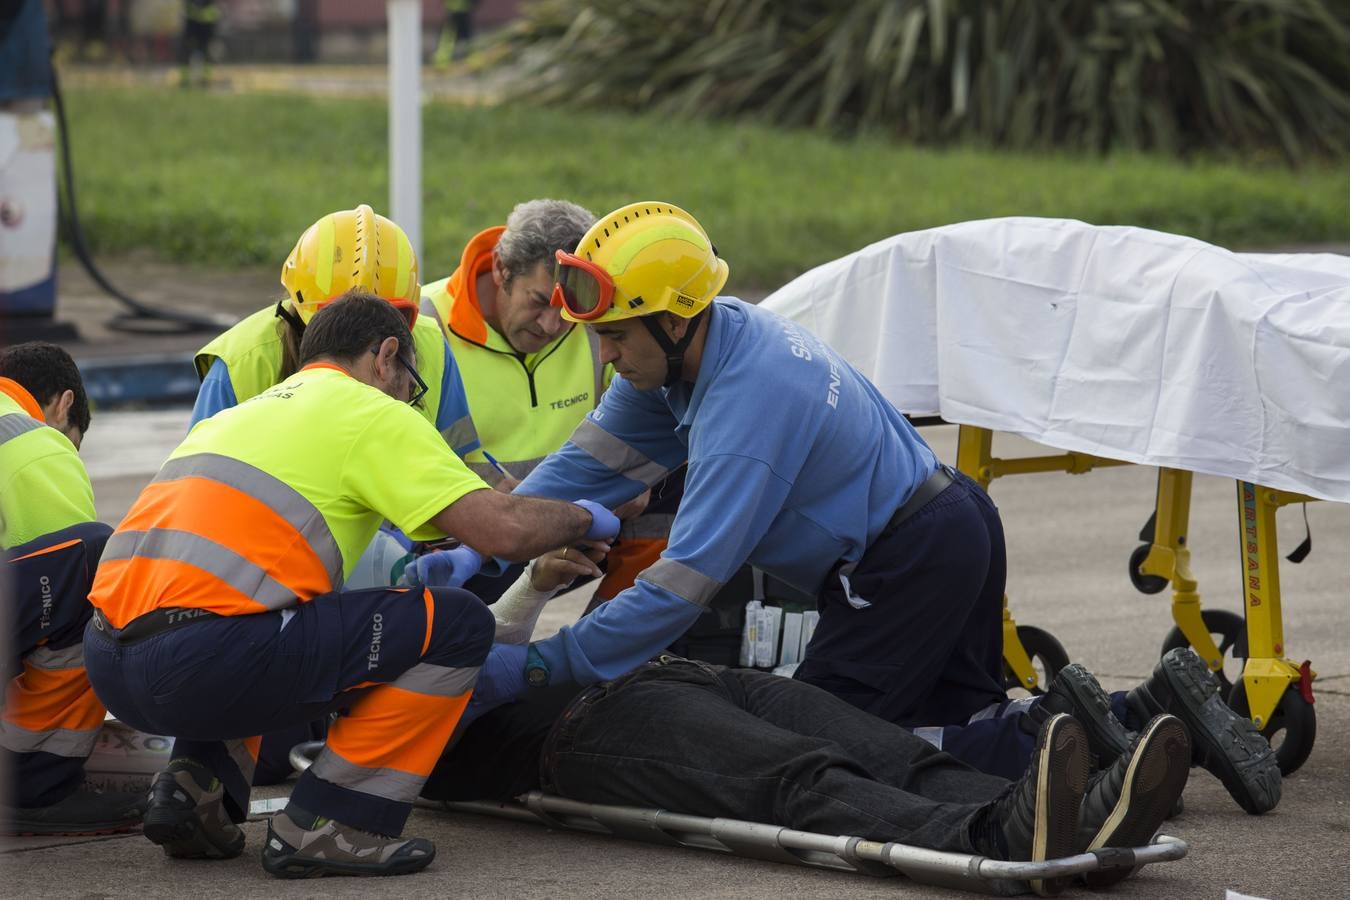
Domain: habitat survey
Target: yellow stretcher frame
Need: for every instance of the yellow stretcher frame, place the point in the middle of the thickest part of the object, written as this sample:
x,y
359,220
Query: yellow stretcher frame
x,y
1268,675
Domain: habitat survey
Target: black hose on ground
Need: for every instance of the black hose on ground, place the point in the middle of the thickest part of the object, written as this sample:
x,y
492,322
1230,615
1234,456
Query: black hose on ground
x,y
140,318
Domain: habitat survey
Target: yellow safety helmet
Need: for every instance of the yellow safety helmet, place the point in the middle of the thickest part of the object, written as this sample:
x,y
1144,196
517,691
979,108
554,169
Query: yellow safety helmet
x,y
641,259
352,248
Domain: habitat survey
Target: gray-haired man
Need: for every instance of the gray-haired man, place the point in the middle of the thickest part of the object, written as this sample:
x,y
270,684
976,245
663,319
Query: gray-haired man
x,y
530,376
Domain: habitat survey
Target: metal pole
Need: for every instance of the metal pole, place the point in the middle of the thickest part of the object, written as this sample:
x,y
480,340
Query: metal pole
x,y
405,117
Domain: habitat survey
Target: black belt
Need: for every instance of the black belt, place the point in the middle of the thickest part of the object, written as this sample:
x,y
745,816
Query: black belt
x,y
936,484
147,625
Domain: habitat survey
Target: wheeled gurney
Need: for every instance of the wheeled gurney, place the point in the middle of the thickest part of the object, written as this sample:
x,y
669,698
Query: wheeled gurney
x,y
1120,345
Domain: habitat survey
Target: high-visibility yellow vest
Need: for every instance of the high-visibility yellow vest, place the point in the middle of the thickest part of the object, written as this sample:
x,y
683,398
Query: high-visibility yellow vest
x,y
252,352
43,484
524,406
235,524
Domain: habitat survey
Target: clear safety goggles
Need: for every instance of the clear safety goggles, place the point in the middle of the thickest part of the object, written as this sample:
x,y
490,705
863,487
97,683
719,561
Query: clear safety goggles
x,y
581,287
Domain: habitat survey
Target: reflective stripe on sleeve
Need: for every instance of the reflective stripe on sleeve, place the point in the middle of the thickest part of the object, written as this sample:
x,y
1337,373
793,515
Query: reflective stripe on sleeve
x,y
617,455
681,581
460,432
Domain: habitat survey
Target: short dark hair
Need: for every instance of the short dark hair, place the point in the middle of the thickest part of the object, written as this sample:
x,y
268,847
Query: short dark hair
x,y
351,325
45,371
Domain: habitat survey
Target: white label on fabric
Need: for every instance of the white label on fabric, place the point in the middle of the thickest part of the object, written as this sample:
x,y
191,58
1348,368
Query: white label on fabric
x,y
853,599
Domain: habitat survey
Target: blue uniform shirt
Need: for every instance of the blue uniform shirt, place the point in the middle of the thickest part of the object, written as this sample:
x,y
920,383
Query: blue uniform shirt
x,y
796,461
216,393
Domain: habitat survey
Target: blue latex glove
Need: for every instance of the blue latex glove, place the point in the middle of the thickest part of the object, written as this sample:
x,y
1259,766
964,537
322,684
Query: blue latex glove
x,y
502,678
604,524
442,568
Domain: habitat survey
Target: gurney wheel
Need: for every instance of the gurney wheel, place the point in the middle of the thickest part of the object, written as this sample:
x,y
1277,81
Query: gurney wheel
x,y
1292,728
1144,584
1230,634
1047,654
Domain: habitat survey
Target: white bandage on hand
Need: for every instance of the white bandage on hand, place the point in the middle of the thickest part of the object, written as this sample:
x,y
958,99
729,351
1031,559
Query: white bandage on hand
x,y
517,610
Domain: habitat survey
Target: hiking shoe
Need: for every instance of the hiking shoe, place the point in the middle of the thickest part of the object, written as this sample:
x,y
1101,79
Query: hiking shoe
x,y
187,816
331,848
1075,691
83,812
1126,804
1037,819
1228,745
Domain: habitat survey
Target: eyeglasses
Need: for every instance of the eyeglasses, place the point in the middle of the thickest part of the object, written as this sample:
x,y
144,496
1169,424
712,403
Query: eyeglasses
x,y
421,388
581,287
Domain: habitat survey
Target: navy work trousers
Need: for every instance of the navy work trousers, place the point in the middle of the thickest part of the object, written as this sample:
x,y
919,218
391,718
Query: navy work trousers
x,y
220,680
48,607
710,741
915,636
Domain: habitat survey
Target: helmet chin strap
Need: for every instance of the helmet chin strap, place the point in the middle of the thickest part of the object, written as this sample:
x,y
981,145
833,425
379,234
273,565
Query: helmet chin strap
x,y
674,350
291,316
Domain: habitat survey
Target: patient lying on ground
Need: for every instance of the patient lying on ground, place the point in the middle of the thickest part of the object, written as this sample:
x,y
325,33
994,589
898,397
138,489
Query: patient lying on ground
x,y
712,741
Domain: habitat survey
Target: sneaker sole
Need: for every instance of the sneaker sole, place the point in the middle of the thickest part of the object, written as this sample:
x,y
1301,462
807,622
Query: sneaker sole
x,y
1153,781
1085,692
292,865
1226,744
1062,776
181,835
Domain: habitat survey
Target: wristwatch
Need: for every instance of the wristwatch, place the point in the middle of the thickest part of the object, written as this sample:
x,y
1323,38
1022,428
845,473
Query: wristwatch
x,y
536,670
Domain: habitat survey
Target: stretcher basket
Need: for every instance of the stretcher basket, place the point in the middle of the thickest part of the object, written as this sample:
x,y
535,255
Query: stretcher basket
x,y
757,840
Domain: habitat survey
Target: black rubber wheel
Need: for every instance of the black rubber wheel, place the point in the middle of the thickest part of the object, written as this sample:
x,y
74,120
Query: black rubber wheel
x,y
1229,631
1292,728
1144,584
1047,654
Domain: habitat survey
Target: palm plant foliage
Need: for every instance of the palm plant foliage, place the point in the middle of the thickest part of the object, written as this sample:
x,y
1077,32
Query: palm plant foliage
x,y
1173,75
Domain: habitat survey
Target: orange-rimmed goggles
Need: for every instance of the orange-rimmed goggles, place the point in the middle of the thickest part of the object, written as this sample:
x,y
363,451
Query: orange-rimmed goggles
x,y
581,287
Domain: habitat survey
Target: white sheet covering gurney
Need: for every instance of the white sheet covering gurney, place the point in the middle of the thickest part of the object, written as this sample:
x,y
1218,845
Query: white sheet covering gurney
x,y
1116,341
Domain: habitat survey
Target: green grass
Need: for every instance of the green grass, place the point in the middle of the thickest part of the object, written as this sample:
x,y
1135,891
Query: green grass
x,y
232,181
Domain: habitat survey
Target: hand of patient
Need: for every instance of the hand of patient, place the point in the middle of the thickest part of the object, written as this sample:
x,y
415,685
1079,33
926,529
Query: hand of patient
x,y
561,567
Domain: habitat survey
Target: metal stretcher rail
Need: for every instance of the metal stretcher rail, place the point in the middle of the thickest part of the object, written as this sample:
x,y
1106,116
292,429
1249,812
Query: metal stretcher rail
x,y
840,852
774,843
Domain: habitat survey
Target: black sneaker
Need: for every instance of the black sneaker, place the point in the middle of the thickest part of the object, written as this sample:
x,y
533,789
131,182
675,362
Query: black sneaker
x,y
187,816
83,812
1037,819
1227,744
1075,691
331,848
1126,804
